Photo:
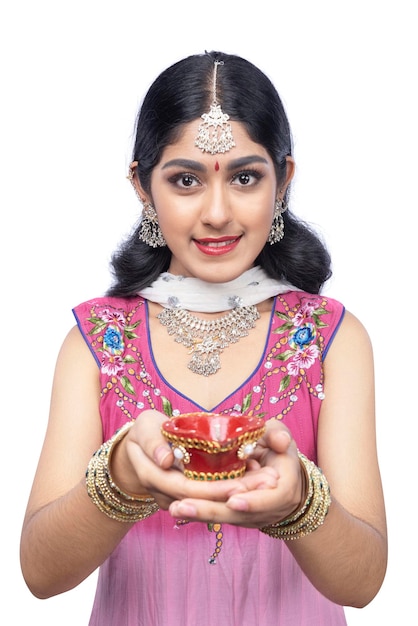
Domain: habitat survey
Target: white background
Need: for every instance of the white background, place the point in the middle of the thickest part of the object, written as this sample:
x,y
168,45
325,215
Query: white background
x,y
72,77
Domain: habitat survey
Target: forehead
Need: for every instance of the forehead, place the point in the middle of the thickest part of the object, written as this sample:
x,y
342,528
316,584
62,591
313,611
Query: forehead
x,y
184,145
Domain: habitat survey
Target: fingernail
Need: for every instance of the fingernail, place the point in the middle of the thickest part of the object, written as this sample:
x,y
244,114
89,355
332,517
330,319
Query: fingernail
x,y
160,454
238,504
182,509
286,434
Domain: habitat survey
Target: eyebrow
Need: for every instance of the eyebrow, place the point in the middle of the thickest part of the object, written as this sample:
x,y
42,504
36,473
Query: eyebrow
x,y
188,164
199,167
244,161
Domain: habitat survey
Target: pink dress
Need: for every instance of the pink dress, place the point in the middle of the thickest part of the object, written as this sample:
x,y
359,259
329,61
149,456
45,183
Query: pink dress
x,y
160,574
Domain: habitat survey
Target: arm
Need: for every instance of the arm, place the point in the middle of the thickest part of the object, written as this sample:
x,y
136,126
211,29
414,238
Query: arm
x,y
346,558
64,536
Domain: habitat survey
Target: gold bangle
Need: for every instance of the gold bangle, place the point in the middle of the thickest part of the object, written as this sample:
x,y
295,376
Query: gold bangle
x,y
312,513
106,495
304,463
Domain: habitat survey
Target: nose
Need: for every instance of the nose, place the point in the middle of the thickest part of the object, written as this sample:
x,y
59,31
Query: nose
x,y
216,209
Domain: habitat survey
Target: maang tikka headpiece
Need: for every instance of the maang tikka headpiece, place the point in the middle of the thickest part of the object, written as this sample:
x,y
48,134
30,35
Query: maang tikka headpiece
x,y
215,133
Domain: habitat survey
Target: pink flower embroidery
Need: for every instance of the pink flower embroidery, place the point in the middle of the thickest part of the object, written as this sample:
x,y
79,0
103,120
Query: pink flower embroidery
x,y
112,317
305,312
112,364
303,359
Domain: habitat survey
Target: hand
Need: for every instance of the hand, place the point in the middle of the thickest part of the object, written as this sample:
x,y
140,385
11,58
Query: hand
x,y
271,489
144,463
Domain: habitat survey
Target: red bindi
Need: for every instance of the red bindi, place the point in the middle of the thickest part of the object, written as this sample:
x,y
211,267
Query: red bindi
x,y
216,166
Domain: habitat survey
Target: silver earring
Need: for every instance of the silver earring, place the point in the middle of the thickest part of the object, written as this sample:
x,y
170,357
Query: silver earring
x,y
149,230
277,227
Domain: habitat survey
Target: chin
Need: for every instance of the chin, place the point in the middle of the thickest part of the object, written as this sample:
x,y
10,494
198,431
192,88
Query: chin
x,y
215,272
223,275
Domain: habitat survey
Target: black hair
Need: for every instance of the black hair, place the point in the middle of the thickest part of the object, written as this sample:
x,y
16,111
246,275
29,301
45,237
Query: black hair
x,y
181,94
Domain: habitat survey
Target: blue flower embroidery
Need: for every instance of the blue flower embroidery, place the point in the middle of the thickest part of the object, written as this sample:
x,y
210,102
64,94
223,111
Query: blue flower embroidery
x,y
112,340
302,336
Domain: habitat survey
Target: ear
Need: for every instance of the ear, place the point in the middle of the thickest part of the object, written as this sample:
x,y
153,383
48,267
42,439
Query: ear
x,y
133,177
290,170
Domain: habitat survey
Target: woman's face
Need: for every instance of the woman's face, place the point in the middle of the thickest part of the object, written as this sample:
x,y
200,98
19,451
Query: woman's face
x,y
215,211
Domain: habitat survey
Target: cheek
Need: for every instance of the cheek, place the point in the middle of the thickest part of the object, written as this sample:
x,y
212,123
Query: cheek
x,y
176,225
170,217
259,227
260,218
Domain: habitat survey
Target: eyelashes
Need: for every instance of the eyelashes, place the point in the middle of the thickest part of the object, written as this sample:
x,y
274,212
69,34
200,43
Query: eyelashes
x,y
243,178
184,180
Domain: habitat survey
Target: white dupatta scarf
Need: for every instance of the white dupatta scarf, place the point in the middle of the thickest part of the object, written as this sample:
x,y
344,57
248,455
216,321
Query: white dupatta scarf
x,y
193,294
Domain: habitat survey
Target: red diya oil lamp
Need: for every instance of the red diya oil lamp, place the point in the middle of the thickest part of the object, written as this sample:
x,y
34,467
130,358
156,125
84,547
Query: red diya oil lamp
x,y
212,446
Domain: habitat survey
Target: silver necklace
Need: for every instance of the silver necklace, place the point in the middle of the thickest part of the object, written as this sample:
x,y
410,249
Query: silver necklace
x,y
207,339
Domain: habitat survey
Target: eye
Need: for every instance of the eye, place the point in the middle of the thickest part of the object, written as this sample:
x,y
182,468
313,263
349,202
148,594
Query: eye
x,y
184,180
246,178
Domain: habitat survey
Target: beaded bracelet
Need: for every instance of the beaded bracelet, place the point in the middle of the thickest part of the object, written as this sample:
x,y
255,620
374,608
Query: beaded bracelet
x,y
313,511
106,495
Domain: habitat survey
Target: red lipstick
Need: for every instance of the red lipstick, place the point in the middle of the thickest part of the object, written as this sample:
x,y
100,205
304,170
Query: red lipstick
x,y
217,246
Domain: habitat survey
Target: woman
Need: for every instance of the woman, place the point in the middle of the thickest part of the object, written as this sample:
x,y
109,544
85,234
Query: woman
x,y
212,167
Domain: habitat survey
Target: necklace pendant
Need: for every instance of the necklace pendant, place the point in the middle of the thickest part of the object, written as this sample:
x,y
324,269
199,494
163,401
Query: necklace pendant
x,y
204,364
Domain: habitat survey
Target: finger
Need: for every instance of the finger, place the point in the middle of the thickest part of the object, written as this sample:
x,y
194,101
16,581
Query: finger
x,y
147,434
171,483
282,500
277,438
259,478
257,501
210,511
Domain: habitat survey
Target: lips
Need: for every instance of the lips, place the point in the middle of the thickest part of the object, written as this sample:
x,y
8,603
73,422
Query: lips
x,y
217,246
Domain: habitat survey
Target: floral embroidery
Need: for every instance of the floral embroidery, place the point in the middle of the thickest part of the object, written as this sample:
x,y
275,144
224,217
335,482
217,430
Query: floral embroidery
x,y
113,329
112,340
298,349
112,365
303,338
